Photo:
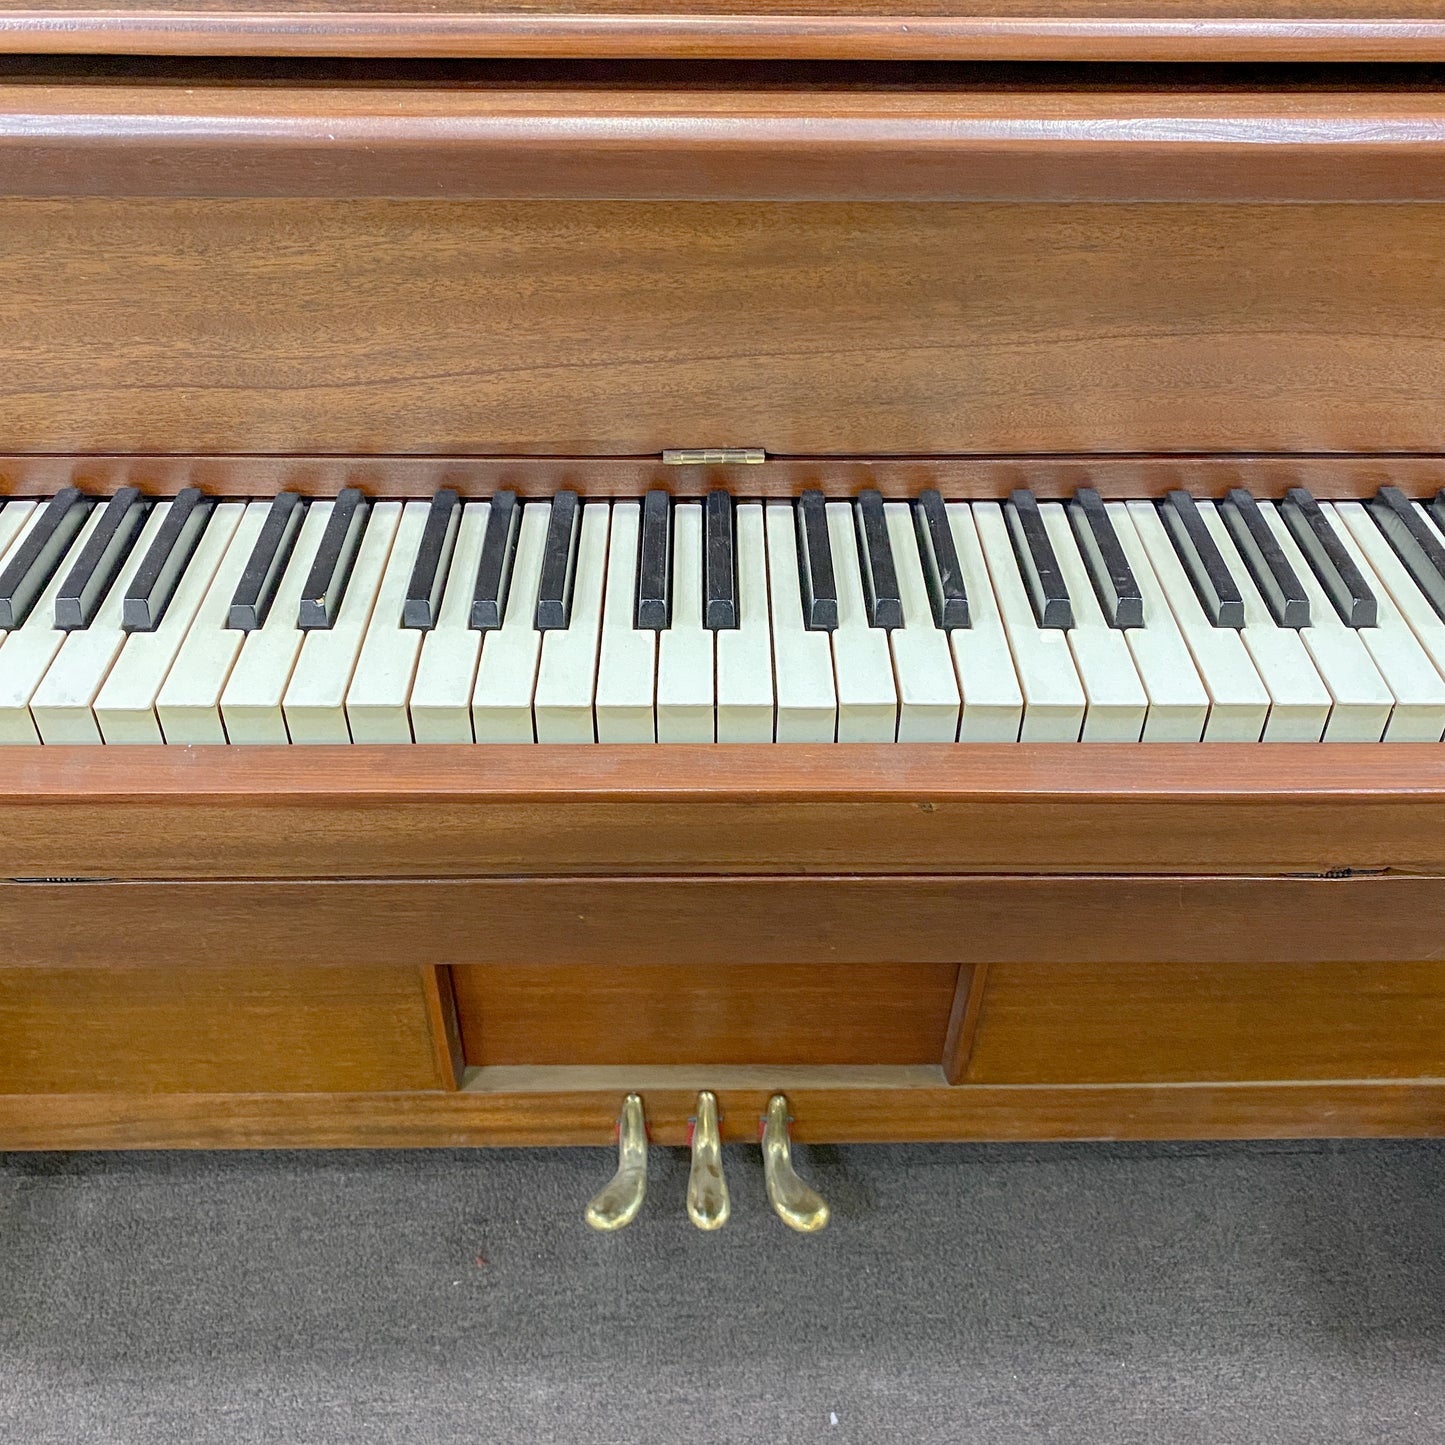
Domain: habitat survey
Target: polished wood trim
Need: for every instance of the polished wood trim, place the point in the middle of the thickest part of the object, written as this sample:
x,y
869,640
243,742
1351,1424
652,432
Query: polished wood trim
x,y
1331,34
949,809
621,926
968,995
176,141
828,1114
959,478
446,1034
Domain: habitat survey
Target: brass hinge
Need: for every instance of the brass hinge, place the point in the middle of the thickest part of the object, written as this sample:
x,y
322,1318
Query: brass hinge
x,y
713,456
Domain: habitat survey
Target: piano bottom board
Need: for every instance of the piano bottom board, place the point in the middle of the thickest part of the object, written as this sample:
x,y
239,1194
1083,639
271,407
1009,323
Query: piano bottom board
x,y
245,1055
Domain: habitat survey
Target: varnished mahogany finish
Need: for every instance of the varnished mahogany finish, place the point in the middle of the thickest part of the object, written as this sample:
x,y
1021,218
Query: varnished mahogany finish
x,y
74,140
610,330
218,812
1099,30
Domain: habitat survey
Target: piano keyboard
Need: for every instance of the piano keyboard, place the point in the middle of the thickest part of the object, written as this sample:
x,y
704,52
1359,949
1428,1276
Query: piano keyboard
x,y
194,620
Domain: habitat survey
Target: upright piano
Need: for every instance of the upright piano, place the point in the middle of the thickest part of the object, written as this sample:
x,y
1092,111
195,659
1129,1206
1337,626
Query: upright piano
x,y
573,572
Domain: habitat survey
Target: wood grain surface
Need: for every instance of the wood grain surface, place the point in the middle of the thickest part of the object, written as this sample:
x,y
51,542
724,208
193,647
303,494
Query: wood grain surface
x,y
586,330
1409,1108
991,478
752,1012
1098,30
589,930
169,1026
469,812
1108,1023
469,143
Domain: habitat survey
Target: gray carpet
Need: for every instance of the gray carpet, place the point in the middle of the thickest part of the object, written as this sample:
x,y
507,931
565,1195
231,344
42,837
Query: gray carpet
x,y
1113,1294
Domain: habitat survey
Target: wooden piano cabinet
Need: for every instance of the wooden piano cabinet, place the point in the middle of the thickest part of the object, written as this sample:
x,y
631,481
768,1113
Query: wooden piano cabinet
x,y
602,329
173,1027
1187,1023
680,1013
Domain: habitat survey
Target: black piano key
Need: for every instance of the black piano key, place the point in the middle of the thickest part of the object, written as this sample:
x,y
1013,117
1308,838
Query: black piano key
x,y
90,580
1332,564
1437,510
942,573
1218,592
1114,582
1283,592
325,588
38,557
815,563
433,561
255,592
653,611
1415,541
1038,565
875,557
719,563
494,566
154,582
559,564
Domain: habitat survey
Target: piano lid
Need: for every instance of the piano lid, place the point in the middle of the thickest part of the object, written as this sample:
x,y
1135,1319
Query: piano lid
x,y
1087,30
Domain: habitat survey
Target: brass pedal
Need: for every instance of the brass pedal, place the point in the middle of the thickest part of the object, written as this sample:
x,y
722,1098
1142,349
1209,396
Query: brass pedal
x,y
620,1199
795,1203
708,1205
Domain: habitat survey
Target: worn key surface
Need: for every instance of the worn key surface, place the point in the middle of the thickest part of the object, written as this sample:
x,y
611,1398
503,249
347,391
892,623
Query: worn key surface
x,y
1038,566
720,563
1208,573
256,591
881,595
39,555
325,590
938,554
559,564
101,560
1109,572
1330,562
1418,546
653,609
494,566
423,601
819,586
1279,588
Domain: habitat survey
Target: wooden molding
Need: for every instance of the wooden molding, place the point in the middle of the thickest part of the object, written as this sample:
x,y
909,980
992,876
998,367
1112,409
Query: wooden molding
x,y
476,143
1064,30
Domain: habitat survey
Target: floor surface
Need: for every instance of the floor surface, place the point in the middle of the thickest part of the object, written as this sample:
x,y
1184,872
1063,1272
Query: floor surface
x,y
1277,1293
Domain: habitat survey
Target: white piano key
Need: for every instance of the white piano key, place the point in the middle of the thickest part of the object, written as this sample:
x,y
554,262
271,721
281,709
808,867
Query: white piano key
x,y
1419,712
862,667
928,696
1300,703
251,700
567,678
988,683
627,658
685,666
1116,701
802,661
1054,700
507,673
27,652
446,671
1178,703
1238,700
1412,603
63,704
16,518
376,701
315,701
745,652
1362,701
125,707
